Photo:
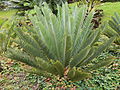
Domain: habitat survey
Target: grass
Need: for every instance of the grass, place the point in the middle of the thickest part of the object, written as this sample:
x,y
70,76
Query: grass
x,y
6,15
109,9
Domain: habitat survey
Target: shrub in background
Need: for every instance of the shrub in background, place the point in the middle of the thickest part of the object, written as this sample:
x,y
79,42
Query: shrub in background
x,y
110,0
24,5
61,45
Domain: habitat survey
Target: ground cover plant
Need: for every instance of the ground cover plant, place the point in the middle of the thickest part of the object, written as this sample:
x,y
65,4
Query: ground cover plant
x,y
16,76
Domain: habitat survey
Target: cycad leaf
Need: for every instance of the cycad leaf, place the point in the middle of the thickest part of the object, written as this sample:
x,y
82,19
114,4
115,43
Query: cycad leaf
x,y
114,26
21,56
80,75
115,23
100,64
52,70
44,47
59,67
68,50
79,57
71,73
31,50
42,63
104,46
27,38
117,16
100,49
90,40
91,52
40,72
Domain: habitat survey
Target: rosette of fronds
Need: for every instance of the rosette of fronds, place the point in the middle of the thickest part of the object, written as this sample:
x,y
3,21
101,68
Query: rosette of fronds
x,y
5,35
61,45
115,23
114,28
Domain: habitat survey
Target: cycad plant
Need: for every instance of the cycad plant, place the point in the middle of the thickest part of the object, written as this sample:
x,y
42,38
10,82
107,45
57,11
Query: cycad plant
x,y
115,23
114,28
61,45
4,36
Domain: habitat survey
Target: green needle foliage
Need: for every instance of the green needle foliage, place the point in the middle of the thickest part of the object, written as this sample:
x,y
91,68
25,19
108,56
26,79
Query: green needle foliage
x,y
5,35
115,23
114,28
60,45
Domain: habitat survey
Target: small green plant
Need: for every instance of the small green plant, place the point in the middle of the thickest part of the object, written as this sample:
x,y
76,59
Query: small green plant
x,y
115,23
114,28
4,37
61,45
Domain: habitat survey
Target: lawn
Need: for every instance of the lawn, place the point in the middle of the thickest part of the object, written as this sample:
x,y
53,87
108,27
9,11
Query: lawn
x,y
109,9
6,15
